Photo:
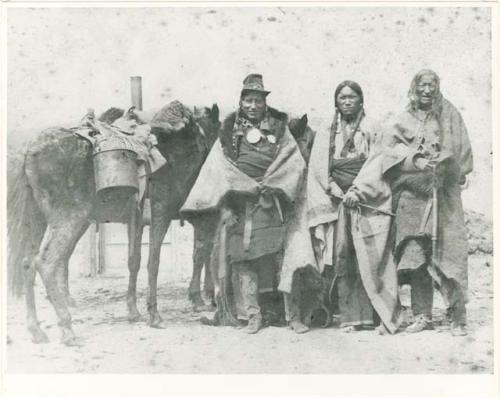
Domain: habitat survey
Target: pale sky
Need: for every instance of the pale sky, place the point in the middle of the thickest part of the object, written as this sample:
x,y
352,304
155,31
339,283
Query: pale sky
x,y
62,61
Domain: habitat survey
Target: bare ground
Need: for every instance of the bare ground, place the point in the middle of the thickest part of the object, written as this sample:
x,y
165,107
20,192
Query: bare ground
x,y
113,345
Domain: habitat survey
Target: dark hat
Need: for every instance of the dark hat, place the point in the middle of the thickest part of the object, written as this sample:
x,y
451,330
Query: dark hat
x,y
254,82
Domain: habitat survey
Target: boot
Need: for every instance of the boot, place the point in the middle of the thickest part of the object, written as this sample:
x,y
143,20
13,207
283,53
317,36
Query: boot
x,y
254,324
422,322
297,326
458,329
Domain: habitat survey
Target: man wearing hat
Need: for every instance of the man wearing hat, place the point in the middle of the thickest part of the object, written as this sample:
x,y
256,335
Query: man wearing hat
x,y
258,178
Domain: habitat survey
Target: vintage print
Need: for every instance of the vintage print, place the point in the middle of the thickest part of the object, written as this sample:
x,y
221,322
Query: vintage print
x,y
249,190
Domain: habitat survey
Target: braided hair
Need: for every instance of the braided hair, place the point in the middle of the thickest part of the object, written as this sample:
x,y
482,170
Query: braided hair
x,y
336,118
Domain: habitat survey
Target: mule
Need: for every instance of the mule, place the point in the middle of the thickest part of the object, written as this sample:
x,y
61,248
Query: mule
x,y
51,202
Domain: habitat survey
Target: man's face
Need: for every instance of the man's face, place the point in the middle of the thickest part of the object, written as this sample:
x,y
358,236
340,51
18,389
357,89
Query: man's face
x,y
348,102
253,105
426,91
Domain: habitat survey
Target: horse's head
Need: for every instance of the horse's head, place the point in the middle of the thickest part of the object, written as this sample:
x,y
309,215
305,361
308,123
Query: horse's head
x,y
208,120
298,126
303,134
177,120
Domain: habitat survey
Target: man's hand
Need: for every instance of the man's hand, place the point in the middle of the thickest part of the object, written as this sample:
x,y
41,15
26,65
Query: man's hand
x,y
228,217
425,163
334,190
351,199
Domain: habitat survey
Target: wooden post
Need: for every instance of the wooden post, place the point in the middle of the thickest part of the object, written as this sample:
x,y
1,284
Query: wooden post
x,y
93,250
136,86
102,249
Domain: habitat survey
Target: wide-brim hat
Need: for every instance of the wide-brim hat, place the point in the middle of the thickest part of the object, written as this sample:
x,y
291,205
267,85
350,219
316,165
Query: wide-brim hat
x,y
254,83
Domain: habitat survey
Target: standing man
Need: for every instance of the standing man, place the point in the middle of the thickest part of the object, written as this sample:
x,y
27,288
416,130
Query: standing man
x,y
432,140
254,179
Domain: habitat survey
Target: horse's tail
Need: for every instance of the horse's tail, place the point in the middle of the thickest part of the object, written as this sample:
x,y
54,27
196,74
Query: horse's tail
x,y
25,226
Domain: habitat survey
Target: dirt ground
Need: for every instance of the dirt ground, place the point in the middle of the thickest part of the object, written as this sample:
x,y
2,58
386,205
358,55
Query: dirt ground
x,y
113,345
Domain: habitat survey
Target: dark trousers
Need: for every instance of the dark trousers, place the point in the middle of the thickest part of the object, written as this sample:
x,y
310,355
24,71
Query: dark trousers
x,y
422,294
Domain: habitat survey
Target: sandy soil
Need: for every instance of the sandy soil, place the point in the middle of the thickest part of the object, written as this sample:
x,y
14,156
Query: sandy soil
x,y
112,345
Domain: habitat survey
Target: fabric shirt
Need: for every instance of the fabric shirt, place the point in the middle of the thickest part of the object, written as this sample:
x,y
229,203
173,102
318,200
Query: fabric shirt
x,y
361,141
254,159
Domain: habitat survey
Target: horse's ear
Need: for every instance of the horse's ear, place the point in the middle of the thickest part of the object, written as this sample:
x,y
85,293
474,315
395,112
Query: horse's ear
x,y
214,113
303,122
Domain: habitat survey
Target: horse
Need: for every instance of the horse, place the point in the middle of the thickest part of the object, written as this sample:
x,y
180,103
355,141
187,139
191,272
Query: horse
x,y
52,199
205,227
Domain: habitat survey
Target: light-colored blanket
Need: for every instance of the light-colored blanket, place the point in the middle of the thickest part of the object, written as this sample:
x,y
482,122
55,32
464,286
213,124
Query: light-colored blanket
x,y
370,229
285,176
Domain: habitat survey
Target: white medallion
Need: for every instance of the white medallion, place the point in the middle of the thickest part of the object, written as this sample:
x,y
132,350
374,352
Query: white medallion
x,y
271,138
254,135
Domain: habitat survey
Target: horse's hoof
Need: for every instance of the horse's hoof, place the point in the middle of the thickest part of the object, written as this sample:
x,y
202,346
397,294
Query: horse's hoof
x,y
69,339
39,337
196,298
210,295
158,325
134,316
156,322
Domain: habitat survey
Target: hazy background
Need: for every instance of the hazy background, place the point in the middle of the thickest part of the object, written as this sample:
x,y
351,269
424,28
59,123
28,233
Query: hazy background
x,y
63,60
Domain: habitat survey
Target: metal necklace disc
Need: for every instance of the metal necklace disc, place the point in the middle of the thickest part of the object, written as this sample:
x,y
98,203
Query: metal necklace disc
x,y
253,135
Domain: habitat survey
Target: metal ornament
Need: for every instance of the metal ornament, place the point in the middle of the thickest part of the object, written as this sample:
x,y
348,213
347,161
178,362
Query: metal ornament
x,y
254,135
271,138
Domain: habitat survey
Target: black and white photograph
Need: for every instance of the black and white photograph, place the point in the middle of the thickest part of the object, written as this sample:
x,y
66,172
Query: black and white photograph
x,y
249,189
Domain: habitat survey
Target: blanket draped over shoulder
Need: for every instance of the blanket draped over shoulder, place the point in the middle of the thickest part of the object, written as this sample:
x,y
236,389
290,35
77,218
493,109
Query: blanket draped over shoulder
x,y
456,150
285,177
370,229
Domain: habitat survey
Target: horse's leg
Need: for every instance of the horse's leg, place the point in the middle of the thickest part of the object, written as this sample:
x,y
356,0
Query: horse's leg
x,y
208,285
194,290
37,334
135,229
63,282
59,240
159,226
63,274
